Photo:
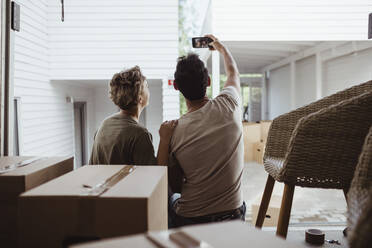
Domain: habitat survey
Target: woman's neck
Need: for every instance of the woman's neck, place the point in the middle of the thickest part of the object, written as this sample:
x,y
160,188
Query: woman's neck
x,y
135,114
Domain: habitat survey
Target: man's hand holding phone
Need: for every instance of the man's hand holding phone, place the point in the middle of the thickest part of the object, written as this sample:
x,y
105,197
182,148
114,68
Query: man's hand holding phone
x,y
208,41
215,44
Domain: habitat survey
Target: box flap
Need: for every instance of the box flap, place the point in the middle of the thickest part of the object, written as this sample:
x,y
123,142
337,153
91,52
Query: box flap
x,y
43,162
239,235
71,184
218,235
9,160
138,184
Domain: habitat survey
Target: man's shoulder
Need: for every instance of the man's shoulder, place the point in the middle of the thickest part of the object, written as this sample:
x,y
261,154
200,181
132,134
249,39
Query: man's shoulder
x,y
231,92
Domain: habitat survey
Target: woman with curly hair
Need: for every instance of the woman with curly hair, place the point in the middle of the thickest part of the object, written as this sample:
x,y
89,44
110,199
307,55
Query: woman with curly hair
x,y
120,138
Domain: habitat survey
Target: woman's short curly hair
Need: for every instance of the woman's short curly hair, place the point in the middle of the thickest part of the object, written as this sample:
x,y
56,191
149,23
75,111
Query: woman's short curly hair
x,y
126,87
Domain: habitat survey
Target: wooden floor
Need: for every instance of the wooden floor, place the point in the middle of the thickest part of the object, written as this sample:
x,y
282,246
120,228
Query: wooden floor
x,y
315,206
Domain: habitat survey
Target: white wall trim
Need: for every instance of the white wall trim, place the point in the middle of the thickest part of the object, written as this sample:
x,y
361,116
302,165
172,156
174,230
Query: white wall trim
x,y
338,49
319,76
264,102
348,48
293,84
305,53
215,74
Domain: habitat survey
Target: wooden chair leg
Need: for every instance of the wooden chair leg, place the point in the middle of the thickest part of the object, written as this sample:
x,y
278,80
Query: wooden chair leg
x,y
345,193
285,211
265,201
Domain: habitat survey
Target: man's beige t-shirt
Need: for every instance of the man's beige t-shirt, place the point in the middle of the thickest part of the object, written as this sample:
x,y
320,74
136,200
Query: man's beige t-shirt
x,y
121,140
208,146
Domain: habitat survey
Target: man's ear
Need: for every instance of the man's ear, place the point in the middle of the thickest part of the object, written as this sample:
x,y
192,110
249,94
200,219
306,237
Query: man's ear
x,y
175,85
209,81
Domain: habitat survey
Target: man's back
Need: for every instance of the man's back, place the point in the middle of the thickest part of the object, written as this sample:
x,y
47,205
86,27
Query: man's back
x,y
121,140
208,145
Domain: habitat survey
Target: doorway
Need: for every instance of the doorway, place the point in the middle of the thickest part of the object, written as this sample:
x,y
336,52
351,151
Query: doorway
x,y
80,133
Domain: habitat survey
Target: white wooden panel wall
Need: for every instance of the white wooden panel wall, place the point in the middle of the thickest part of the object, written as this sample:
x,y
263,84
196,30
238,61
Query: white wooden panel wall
x,y
338,74
346,71
279,94
99,38
291,19
154,116
46,117
305,91
171,102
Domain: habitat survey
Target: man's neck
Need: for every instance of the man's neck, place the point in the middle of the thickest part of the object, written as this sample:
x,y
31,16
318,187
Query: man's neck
x,y
196,104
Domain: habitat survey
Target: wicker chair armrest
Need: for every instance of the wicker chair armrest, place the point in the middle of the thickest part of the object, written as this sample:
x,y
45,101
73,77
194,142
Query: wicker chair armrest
x,y
282,127
325,145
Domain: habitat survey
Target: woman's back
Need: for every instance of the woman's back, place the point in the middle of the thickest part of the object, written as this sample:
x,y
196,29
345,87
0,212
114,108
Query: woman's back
x,y
121,140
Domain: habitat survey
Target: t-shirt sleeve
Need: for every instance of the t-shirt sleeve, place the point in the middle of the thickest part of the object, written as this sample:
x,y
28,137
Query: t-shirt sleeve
x,y
143,152
231,92
231,95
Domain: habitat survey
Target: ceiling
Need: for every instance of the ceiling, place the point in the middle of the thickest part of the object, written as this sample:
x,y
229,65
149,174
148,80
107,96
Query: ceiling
x,y
252,56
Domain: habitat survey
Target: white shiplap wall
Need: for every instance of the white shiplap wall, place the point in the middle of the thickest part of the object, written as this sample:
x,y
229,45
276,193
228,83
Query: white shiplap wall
x,y
338,73
291,19
97,39
305,82
346,71
100,38
46,117
279,95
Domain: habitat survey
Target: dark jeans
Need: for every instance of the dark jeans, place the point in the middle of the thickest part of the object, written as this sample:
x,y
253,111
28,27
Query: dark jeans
x,y
175,220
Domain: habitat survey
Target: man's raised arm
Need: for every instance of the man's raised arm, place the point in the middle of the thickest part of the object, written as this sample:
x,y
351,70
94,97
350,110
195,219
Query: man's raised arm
x,y
231,68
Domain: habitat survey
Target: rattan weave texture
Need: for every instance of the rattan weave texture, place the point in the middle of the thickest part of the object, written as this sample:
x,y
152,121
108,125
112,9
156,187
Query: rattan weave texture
x,y
318,145
359,197
361,237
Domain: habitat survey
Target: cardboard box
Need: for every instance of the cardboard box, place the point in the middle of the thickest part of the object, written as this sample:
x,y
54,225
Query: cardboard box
x,y
251,135
272,214
63,210
258,152
218,235
265,127
17,180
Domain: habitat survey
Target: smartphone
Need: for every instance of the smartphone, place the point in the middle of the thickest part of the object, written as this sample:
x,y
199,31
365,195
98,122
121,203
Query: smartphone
x,y
201,42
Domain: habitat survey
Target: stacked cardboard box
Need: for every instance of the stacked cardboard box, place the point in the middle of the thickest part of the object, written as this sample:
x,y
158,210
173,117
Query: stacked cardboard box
x,y
219,235
94,202
265,127
17,175
252,134
255,136
258,152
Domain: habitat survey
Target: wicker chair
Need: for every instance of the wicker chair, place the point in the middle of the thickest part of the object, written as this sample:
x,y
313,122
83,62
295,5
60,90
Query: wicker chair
x,y
359,199
316,146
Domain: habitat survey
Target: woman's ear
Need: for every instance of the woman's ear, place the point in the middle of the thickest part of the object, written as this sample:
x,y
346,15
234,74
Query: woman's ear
x,y
209,81
140,100
175,86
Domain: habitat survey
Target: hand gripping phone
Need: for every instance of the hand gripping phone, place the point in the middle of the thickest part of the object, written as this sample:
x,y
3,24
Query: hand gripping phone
x,y
201,42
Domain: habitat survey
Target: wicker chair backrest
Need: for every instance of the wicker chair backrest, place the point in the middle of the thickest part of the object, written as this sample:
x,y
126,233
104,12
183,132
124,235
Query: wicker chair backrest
x,y
325,145
282,127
